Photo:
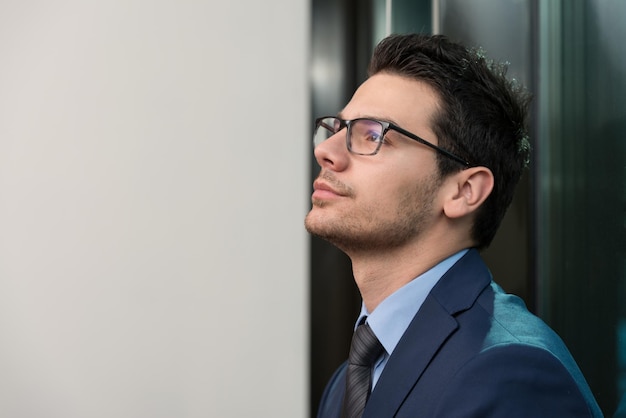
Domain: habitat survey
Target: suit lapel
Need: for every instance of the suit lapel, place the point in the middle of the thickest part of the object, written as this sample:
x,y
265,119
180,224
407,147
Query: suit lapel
x,y
409,360
456,291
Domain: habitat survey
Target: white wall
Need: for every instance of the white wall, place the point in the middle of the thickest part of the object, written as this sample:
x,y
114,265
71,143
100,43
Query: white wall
x,y
153,184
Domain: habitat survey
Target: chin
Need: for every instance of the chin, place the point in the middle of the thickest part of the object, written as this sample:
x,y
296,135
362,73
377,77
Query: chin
x,y
312,222
322,229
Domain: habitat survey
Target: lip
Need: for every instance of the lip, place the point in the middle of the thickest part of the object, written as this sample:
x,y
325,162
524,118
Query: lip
x,y
322,190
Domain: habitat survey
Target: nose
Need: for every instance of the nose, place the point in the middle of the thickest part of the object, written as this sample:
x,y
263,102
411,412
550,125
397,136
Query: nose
x,y
333,153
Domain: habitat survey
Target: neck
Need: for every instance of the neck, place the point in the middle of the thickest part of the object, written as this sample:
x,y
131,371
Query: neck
x,y
379,274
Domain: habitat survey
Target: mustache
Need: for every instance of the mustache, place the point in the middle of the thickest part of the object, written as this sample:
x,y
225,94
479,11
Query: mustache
x,y
340,187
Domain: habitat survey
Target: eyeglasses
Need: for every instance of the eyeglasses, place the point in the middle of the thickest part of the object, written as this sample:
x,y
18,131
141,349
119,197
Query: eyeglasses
x,y
366,136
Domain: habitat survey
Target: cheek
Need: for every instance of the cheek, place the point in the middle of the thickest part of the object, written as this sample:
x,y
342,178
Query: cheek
x,y
383,199
398,186
411,195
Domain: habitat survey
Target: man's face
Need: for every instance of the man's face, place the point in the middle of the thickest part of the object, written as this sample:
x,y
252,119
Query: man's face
x,y
385,200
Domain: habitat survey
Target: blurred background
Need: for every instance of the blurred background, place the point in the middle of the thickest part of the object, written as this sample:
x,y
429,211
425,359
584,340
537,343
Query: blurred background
x,y
155,170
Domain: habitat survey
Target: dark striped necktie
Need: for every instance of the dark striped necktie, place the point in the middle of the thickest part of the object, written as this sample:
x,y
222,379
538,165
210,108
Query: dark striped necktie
x,y
364,350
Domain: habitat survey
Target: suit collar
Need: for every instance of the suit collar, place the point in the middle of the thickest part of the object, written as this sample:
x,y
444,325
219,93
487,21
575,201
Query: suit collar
x,y
460,286
455,292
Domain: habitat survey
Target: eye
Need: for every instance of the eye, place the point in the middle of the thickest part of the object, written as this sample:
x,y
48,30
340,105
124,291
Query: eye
x,y
373,136
367,130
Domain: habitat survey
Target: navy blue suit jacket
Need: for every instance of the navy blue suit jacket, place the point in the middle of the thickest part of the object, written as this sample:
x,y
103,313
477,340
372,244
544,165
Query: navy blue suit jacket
x,y
473,351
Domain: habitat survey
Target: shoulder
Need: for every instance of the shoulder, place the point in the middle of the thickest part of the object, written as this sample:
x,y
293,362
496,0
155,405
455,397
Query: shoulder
x,y
516,380
514,361
501,358
510,324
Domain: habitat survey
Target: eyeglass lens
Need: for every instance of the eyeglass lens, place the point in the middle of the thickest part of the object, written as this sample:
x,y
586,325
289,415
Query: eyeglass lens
x,y
364,135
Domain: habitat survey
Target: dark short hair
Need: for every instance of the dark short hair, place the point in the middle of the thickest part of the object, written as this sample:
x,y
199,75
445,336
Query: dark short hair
x,y
482,116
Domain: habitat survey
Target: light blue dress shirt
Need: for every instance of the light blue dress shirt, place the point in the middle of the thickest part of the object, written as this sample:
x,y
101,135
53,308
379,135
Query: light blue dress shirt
x,y
392,317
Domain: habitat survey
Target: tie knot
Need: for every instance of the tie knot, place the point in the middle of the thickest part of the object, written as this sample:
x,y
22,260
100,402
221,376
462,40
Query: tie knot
x,y
365,348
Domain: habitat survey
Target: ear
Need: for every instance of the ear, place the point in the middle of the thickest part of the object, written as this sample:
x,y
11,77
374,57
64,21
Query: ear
x,y
469,189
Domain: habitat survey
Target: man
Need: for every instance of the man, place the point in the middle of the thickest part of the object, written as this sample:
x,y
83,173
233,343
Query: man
x,y
416,174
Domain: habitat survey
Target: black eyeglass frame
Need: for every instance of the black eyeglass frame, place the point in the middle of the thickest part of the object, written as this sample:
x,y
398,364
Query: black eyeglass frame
x,y
345,123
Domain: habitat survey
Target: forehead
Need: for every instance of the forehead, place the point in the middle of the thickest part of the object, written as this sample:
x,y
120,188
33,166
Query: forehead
x,y
407,102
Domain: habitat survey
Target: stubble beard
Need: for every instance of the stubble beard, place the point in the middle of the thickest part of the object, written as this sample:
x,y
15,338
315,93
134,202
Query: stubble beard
x,y
364,230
